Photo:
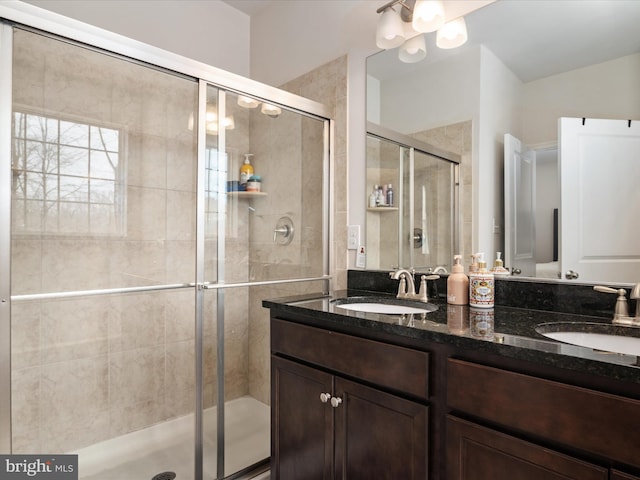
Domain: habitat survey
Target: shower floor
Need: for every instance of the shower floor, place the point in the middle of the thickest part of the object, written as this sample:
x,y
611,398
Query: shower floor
x,y
168,447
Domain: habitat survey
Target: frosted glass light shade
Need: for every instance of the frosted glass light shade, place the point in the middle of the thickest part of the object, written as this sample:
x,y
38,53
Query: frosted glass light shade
x,y
452,34
247,102
271,110
390,31
428,16
413,50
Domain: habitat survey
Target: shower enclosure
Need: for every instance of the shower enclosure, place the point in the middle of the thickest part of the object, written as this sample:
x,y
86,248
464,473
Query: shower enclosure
x,y
132,267
421,228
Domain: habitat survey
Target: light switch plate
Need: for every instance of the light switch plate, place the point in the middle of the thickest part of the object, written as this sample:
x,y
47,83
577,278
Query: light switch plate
x,y
353,237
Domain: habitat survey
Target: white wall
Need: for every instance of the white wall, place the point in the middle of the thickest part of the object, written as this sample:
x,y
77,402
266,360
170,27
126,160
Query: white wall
x,y
500,90
290,38
208,31
610,90
444,94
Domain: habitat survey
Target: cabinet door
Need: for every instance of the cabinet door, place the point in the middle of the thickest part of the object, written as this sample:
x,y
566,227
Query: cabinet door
x,y
478,453
378,435
616,475
301,424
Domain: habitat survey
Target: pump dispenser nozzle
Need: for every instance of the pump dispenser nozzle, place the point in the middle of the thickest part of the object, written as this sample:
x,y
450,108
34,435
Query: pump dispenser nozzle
x,y
498,265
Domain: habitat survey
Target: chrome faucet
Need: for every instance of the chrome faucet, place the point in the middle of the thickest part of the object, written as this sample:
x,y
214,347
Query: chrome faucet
x,y
407,286
439,269
621,312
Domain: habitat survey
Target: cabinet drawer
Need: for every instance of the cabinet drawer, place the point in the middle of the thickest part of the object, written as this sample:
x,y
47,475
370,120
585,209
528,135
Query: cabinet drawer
x,y
478,453
389,366
584,419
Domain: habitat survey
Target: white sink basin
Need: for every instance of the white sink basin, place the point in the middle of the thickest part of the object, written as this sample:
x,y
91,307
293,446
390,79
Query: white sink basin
x,y
382,308
608,337
388,306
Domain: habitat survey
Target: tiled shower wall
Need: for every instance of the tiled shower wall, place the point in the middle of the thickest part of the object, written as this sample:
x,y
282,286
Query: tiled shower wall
x,y
326,84
90,368
456,138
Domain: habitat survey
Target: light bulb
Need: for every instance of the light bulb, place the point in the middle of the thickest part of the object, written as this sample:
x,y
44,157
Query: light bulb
x,y
452,34
390,32
413,50
428,16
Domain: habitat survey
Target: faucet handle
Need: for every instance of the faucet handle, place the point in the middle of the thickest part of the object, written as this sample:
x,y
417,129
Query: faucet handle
x,y
422,295
622,309
402,287
635,295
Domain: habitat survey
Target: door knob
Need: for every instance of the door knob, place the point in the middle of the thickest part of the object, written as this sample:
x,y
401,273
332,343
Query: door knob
x,y
324,397
516,271
335,402
571,275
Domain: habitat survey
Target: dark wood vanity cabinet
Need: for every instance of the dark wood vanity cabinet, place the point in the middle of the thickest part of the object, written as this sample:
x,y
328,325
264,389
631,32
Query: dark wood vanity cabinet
x,y
545,419
616,475
349,407
478,453
328,423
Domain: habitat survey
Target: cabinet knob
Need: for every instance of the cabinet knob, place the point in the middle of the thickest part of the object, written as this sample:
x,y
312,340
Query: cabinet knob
x,y
335,401
324,397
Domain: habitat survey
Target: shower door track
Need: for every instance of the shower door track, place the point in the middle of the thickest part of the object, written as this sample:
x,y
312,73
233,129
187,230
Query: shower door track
x,y
151,288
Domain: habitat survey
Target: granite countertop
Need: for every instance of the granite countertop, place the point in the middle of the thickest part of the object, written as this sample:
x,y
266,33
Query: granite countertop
x,y
505,331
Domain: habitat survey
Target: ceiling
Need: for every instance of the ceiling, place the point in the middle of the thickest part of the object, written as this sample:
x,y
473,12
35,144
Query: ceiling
x,y
250,7
533,38
538,38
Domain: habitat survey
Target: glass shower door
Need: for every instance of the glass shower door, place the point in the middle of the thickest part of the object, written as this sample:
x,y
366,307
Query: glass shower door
x,y
274,239
102,260
433,212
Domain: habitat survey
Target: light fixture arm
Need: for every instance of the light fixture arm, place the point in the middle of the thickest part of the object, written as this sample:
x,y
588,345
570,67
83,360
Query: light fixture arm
x,y
407,8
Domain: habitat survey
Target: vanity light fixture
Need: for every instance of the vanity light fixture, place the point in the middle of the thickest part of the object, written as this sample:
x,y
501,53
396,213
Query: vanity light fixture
x,y
390,30
271,110
247,102
428,16
452,34
403,23
413,50
267,108
211,121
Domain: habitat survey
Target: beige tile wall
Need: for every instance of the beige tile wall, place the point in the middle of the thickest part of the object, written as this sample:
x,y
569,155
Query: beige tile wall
x,y
457,138
326,84
91,368
88,369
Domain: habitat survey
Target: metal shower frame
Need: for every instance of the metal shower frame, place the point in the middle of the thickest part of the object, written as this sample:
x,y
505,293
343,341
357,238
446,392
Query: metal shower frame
x,y
26,16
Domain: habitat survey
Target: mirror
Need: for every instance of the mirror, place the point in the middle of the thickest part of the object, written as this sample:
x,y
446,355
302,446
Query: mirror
x,y
526,64
415,226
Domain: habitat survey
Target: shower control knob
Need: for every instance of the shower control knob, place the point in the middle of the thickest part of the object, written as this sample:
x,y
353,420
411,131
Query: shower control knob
x,y
335,401
324,397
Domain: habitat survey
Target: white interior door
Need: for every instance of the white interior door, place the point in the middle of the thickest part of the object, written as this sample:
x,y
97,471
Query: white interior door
x,y
600,199
520,207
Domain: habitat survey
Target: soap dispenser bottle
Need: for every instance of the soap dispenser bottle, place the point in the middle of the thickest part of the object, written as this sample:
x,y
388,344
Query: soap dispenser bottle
x,y
481,286
246,170
457,283
498,266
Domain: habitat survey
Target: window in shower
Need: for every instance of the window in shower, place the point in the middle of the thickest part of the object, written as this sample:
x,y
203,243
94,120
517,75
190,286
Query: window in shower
x,y
67,176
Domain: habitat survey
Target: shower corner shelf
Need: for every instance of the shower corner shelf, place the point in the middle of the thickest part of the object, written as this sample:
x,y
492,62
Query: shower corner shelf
x,y
382,209
247,194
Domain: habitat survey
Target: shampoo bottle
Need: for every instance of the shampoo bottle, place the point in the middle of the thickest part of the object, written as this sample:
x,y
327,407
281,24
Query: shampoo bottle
x,y
246,170
457,284
481,286
373,198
